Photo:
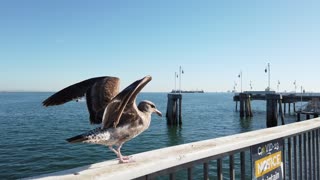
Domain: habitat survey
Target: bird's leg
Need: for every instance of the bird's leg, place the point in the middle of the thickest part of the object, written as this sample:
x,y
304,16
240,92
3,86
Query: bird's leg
x,y
115,151
123,159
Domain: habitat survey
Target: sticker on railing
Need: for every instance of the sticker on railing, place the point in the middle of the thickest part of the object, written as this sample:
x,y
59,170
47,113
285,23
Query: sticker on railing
x,y
267,160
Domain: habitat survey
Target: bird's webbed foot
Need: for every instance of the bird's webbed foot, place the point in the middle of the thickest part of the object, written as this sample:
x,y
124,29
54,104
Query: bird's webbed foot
x,y
125,159
121,158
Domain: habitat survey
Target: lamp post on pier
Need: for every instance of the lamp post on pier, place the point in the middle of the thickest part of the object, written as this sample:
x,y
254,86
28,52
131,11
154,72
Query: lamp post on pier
x,y
301,98
240,76
181,72
175,80
267,70
235,87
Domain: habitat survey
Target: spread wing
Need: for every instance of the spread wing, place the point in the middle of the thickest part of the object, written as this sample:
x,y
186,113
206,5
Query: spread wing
x,y
70,93
124,101
99,91
99,96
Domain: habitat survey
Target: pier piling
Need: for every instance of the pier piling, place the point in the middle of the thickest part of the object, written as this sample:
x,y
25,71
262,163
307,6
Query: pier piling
x,y
281,111
289,108
285,108
248,107
245,105
272,106
174,108
236,98
241,102
236,106
307,116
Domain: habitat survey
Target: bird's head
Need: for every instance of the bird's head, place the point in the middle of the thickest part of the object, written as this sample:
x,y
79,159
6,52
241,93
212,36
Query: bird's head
x,y
148,107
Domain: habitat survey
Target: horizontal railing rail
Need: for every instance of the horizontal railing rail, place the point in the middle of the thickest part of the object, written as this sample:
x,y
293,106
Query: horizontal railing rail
x,y
217,158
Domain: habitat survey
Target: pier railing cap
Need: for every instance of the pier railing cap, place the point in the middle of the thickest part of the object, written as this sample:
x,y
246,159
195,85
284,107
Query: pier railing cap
x,y
161,159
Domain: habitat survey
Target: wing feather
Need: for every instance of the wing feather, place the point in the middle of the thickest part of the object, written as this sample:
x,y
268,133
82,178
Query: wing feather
x,y
98,91
72,92
124,100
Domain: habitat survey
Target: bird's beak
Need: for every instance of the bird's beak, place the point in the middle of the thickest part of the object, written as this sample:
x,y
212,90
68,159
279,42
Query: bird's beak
x,y
158,112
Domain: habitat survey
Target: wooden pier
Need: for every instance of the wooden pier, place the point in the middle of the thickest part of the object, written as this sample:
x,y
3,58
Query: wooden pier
x,y
276,104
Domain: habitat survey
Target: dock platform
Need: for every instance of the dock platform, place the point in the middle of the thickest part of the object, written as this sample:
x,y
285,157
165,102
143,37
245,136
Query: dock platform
x,y
275,101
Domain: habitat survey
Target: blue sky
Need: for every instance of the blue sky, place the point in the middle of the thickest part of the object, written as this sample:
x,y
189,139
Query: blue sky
x,y
48,45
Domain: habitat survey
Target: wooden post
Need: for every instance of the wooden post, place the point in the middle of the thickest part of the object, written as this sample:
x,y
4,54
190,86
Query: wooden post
x,y
281,111
294,107
180,112
284,108
298,116
236,98
272,113
249,114
174,109
236,106
307,116
289,108
245,105
170,109
242,99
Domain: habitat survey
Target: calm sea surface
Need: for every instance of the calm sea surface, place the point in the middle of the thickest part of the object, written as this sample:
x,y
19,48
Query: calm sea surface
x,y
33,137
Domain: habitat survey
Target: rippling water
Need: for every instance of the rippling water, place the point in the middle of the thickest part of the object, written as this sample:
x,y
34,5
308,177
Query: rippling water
x,y
33,137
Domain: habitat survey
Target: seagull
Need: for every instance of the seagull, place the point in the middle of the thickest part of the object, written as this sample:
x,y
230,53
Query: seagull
x,y
117,112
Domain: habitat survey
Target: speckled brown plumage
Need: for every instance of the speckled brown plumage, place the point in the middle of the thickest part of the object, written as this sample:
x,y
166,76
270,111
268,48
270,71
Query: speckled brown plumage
x,y
121,119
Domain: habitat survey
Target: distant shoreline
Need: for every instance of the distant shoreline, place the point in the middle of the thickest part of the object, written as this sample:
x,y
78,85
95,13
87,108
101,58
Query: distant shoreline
x,y
178,91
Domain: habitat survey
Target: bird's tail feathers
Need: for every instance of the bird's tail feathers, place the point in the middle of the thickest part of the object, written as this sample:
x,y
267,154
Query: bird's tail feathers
x,y
77,139
84,137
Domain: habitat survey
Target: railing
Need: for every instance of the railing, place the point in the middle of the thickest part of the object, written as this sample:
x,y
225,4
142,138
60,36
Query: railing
x,y
221,158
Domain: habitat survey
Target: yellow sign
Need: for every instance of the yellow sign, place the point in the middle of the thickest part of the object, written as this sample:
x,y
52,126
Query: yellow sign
x,y
268,163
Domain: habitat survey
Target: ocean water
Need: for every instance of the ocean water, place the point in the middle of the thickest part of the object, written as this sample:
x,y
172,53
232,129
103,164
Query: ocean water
x,y
33,137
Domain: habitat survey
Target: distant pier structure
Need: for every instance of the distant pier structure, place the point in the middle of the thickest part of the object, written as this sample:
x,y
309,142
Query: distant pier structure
x,y
277,104
184,91
312,108
174,107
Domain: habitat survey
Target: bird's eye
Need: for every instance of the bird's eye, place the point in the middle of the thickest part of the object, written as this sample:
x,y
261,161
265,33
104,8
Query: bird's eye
x,y
152,106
